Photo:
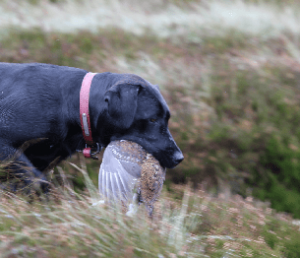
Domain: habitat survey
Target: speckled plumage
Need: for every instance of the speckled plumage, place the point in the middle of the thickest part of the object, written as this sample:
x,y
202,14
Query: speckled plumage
x,y
126,170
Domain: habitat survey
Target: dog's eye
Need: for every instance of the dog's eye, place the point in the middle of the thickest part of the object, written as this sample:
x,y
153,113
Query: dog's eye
x,y
153,120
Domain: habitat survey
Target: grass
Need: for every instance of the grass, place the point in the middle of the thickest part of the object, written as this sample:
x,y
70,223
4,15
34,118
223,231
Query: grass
x,y
186,223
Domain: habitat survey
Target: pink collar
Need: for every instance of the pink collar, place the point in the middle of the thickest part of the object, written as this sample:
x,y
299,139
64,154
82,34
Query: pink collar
x,y
85,115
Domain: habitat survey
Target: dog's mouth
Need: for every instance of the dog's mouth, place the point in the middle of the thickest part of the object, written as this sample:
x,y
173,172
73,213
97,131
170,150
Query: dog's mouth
x,y
123,140
143,146
165,160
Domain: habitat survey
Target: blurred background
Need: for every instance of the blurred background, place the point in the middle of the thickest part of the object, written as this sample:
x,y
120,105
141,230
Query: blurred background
x,y
229,71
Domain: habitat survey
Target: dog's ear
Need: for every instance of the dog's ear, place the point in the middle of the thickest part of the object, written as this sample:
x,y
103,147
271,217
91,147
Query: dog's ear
x,y
122,104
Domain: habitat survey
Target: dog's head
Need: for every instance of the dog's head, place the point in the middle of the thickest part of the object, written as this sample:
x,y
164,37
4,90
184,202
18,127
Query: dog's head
x,y
136,111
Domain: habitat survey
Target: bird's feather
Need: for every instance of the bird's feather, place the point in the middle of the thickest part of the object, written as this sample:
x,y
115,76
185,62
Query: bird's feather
x,y
117,177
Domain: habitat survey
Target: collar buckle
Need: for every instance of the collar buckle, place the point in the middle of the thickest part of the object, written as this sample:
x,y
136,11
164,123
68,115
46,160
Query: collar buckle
x,y
91,152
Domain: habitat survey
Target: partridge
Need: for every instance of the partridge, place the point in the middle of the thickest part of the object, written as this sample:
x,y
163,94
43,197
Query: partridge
x,y
131,175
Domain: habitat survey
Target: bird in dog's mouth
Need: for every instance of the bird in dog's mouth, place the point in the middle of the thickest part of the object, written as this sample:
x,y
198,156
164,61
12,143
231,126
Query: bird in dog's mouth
x,y
131,175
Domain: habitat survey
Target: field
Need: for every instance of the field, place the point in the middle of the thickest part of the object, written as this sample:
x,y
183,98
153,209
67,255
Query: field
x,y
229,71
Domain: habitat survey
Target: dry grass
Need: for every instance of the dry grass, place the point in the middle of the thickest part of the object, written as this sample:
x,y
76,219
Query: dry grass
x,y
186,223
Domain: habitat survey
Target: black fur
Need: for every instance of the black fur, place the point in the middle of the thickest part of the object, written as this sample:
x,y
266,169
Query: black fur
x,y
42,101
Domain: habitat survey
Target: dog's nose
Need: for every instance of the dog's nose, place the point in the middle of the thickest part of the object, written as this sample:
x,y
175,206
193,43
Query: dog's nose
x,y
178,157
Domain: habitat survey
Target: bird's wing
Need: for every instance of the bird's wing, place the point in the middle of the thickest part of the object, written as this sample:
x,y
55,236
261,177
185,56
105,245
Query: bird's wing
x,y
117,176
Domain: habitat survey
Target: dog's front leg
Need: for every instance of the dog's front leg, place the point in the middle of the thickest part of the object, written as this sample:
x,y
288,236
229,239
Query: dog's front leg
x,y
17,168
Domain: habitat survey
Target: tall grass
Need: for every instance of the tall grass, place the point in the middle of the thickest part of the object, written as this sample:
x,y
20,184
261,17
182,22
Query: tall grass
x,y
195,225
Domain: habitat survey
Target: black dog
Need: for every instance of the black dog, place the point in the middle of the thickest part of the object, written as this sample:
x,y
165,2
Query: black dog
x,y
41,101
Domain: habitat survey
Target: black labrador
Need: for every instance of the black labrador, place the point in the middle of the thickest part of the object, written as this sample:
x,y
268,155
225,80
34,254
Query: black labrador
x,y
41,101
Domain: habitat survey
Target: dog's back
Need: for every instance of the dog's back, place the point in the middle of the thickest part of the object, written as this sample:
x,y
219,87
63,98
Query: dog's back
x,y
31,99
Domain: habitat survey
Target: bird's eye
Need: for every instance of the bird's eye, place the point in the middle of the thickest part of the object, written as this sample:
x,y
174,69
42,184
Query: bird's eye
x,y
153,120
